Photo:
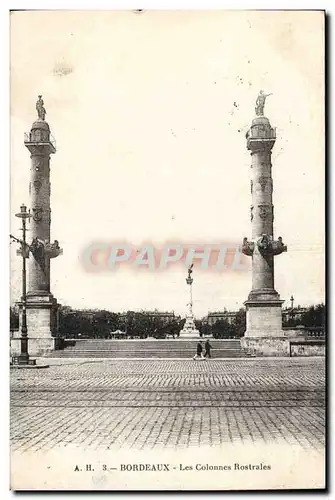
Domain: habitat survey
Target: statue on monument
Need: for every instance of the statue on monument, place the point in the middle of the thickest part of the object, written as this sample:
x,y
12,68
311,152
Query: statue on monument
x,y
189,279
260,103
40,108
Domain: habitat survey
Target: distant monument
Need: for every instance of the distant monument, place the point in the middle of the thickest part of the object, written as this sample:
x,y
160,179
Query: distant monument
x,y
41,306
264,333
189,331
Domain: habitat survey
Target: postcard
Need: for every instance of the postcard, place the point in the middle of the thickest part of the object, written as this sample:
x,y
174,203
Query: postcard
x,y
167,316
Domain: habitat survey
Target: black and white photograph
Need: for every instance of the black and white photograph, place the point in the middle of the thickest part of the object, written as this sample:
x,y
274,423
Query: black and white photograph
x,y
167,250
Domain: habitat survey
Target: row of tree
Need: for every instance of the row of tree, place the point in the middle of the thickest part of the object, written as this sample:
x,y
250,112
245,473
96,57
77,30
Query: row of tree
x,y
224,328
313,317
101,323
104,324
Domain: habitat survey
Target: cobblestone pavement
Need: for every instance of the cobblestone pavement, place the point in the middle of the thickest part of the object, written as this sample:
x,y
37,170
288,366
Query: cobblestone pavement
x,y
110,404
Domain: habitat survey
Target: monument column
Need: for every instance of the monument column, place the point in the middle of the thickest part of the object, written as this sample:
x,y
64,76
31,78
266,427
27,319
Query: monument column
x,y
263,307
189,331
41,305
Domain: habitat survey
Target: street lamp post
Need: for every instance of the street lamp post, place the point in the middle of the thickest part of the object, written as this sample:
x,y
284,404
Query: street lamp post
x,y
23,357
292,310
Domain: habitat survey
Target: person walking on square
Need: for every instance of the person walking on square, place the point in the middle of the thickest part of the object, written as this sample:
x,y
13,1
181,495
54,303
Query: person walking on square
x,y
199,351
208,348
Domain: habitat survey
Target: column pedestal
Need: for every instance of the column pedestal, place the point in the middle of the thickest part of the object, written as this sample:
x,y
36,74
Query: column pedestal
x,y
189,331
264,335
41,325
264,318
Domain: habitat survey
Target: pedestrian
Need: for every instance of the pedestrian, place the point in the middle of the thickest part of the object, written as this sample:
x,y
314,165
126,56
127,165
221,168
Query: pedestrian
x,y
199,352
208,348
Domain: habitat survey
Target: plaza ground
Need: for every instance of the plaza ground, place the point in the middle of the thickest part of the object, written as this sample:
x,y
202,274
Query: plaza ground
x,y
105,404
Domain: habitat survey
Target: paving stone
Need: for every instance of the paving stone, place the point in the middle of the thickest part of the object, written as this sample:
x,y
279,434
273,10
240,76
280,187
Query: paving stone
x,y
112,404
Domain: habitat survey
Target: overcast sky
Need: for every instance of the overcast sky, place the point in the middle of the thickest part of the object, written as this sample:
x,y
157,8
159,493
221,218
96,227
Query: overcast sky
x,y
150,112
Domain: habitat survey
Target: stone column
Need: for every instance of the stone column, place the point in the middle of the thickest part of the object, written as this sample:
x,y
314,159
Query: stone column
x,y
264,334
41,305
189,331
39,275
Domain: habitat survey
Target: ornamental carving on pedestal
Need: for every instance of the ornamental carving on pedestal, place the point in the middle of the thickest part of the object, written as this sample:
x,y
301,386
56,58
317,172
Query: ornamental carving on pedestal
x,y
251,186
251,213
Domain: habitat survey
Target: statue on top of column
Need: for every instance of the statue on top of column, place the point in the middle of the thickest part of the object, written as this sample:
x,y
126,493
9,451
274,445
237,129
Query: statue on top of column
x,y
260,103
40,108
189,279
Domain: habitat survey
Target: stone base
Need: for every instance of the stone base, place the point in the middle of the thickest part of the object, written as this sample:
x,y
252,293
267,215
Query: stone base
x,y
189,331
41,315
266,346
23,361
28,367
42,324
299,347
36,346
189,334
264,318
